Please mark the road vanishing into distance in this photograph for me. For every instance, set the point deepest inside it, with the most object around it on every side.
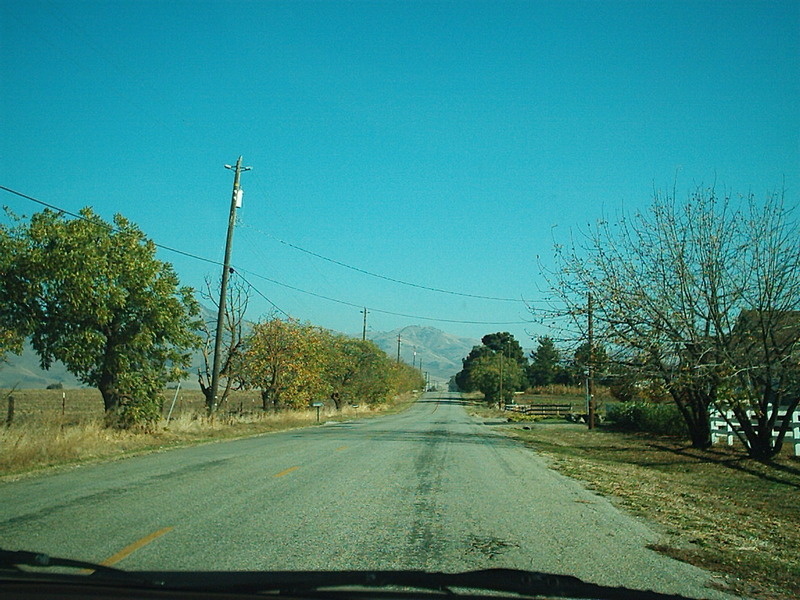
(430, 488)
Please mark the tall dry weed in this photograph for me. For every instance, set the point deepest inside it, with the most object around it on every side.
(41, 444)
(44, 436)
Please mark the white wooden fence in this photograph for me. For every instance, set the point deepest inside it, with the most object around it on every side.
(720, 429)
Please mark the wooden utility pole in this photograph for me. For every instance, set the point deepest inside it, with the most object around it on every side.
(364, 331)
(236, 202)
(500, 400)
(398, 348)
(590, 366)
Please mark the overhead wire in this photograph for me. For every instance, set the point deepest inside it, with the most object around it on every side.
(381, 311)
(378, 275)
(79, 32)
(82, 218)
(257, 291)
(268, 279)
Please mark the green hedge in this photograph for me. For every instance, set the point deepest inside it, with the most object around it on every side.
(637, 415)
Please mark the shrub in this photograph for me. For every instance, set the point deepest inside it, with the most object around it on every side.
(515, 417)
(637, 415)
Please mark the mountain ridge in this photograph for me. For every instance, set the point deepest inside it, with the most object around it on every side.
(438, 352)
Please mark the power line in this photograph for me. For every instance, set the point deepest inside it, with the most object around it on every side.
(257, 291)
(281, 284)
(378, 275)
(385, 312)
(82, 218)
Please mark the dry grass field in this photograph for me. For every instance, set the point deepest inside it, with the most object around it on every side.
(80, 405)
(60, 427)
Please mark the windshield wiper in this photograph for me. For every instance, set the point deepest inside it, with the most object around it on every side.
(337, 583)
(10, 559)
(320, 583)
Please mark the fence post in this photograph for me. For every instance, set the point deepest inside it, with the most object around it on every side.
(175, 397)
(10, 413)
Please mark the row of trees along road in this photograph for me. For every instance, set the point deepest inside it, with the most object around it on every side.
(292, 363)
(703, 297)
(498, 366)
(549, 365)
(92, 295)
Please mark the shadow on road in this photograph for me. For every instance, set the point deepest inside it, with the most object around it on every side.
(432, 436)
(443, 400)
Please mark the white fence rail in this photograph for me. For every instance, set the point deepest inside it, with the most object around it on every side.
(722, 430)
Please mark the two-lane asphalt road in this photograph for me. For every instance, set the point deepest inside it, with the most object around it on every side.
(430, 488)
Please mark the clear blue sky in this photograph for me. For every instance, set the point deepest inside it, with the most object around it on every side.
(441, 143)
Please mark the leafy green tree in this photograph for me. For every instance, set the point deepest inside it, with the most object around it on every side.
(491, 344)
(580, 363)
(293, 364)
(11, 342)
(10, 339)
(545, 363)
(497, 378)
(505, 343)
(285, 360)
(405, 378)
(355, 371)
(463, 378)
(92, 295)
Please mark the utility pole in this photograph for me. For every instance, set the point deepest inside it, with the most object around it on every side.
(398, 348)
(236, 202)
(590, 369)
(500, 400)
(364, 331)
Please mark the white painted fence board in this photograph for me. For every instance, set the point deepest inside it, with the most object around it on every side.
(721, 429)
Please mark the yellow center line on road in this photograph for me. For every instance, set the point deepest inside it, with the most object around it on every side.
(128, 550)
(286, 471)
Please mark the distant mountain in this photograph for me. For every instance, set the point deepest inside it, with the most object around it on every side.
(439, 353)
(23, 371)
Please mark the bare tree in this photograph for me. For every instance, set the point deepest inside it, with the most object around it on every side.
(702, 297)
(232, 338)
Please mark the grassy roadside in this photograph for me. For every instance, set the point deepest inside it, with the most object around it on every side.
(43, 436)
(716, 509)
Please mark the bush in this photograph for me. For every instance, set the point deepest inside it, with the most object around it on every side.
(515, 417)
(660, 418)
